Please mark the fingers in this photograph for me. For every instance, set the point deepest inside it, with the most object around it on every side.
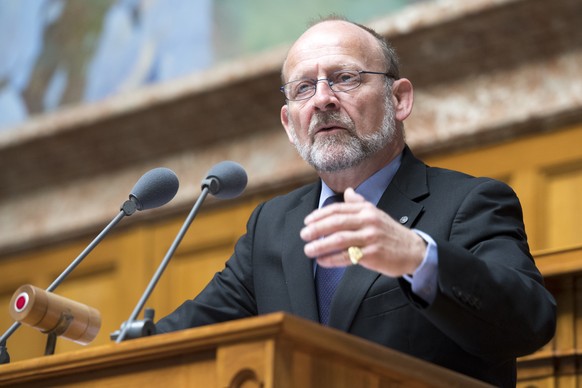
(337, 259)
(350, 196)
(327, 224)
(333, 245)
(387, 246)
(329, 231)
(338, 216)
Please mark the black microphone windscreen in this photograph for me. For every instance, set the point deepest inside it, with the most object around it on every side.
(231, 177)
(155, 188)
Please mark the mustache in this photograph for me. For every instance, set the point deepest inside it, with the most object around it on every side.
(322, 119)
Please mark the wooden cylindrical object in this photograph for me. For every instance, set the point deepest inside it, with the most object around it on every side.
(51, 313)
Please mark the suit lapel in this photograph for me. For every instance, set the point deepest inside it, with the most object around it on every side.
(297, 267)
(409, 185)
(349, 295)
(399, 201)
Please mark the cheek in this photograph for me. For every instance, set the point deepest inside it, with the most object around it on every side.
(300, 122)
(368, 116)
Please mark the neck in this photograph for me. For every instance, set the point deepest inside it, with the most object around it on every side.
(352, 177)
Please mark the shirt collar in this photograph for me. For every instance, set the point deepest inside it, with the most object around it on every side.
(373, 187)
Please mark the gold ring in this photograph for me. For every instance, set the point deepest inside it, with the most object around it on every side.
(355, 254)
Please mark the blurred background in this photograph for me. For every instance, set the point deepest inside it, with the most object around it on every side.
(95, 93)
(59, 52)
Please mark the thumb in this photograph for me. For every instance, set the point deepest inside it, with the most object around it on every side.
(350, 196)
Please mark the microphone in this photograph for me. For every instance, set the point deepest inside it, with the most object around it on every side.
(155, 188)
(224, 180)
(54, 314)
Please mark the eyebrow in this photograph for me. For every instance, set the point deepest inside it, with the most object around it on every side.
(334, 69)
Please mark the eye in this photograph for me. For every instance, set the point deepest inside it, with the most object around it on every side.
(303, 87)
(346, 77)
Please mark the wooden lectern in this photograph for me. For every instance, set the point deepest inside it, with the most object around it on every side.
(271, 351)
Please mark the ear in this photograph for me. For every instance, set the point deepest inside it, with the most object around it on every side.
(403, 98)
(285, 121)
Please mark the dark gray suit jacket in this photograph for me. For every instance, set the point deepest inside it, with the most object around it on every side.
(491, 305)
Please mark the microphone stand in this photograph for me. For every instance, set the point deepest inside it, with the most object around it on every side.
(128, 208)
(4, 356)
(129, 325)
(51, 343)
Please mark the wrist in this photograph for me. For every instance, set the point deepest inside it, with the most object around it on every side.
(418, 252)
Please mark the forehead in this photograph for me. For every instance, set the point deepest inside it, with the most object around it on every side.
(331, 45)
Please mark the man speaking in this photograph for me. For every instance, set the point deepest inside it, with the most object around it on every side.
(427, 261)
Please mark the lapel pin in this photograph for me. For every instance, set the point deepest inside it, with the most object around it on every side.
(403, 219)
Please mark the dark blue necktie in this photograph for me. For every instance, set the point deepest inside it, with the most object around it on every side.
(327, 279)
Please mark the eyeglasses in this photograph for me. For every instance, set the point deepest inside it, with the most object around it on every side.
(339, 81)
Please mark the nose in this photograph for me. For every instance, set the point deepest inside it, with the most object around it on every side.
(324, 98)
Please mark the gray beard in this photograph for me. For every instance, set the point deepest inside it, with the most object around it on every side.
(347, 149)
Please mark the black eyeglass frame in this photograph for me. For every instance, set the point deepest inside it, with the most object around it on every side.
(331, 83)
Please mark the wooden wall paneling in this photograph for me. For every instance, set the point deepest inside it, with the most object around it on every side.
(205, 248)
(540, 369)
(546, 149)
(529, 186)
(564, 205)
(578, 329)
(135, 255)
(536, 375)
(564, 289)
(553, 263)
(560, 359)
(546, 173)
(565, 337)
(566, 372)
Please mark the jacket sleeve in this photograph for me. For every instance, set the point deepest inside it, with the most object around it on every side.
(228, 296)
(491, 299)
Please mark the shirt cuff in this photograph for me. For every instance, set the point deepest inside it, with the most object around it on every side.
(424, 279)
